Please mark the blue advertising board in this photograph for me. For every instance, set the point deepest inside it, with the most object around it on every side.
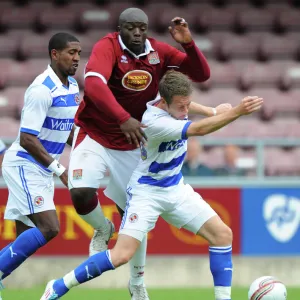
(270, 221)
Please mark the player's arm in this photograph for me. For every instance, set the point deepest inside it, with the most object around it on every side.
(192, 62)
(37, 102)
(71, 136)
(98, 72)
(211, 124)
(208, 111)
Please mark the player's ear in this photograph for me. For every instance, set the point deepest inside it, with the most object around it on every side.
(119, 28)
(54, 54)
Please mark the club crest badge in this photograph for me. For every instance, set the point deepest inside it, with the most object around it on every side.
(153, 58)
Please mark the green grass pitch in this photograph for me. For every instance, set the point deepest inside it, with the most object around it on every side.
(122, 294)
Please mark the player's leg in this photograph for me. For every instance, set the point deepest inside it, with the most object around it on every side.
(123, 164)
(86, 170)
(20, 228)
(195, 215)
(31, 202)
(132, 231)
(219, 236)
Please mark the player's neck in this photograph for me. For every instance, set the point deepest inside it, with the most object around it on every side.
(63, 78)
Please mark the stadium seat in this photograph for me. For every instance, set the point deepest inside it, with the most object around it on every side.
(102, 17)
(11, 102)
(234, 46)
(208, 18)
(17, 17)
(255, 19)
(9, 127)
(280, 162)
(279, 47)
(286, 102)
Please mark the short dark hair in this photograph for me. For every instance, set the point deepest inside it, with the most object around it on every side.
(173, 84)
(60, 40)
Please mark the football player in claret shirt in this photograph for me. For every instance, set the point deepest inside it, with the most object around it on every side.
(121, 76)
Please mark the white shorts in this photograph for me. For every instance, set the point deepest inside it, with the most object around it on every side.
(187, 210)
(30, 191)
(89, 162)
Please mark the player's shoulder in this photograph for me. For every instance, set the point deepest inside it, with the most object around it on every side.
(108, 40)
(159, 45)
(72, 81)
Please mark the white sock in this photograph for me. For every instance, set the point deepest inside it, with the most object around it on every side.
(70, 280)
(222, 292)
(137, 264)
(96, 218)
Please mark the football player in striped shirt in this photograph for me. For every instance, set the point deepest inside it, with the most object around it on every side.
(47, 119)
(156, 188)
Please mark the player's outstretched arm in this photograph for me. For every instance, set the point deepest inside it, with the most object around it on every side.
(247, 106)
(34, 147)
(192, 62)
(199, 109)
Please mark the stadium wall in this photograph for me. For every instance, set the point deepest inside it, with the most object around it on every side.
(265, 220)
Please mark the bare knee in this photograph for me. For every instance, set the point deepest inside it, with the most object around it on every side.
(222, 237)
(49, 232)
(84, 200)
(120, 258)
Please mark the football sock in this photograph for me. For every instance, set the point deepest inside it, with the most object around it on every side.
(137, 264)
(96, 217)
(220, 259)
(24, 246)
(93, 267)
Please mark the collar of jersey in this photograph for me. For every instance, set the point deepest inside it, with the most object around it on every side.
(156, 110)
(55, 78)
(148, 48)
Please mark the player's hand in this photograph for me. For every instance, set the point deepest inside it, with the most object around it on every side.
(64, 178)
(132, 129)
(249, 105)
(180, 31)
(223, 108)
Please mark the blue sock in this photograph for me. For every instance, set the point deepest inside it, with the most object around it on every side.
(220, 259)
(1, 252)
(24, 246)
(90, 269)
(5, 248)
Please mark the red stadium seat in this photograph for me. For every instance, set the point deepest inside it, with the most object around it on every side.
(280, 162)
(255, 19)
(9, 127)
(254, 74)
(11, 101)
(289, 19)
(286, 102)
(102, 17)
(23, 73)
(235, 46)
(17, 17)
(279, 47)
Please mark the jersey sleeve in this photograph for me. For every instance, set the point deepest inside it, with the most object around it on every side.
(166, 129)
(101, 61)
(172, 56)
(2, 147)
(37, 102)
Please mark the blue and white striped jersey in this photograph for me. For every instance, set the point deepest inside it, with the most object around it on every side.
(48, 112)
(161, 160)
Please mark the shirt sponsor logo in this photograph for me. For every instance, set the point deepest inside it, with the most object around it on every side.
(171, 146)
(62, 126)
(136, 80)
